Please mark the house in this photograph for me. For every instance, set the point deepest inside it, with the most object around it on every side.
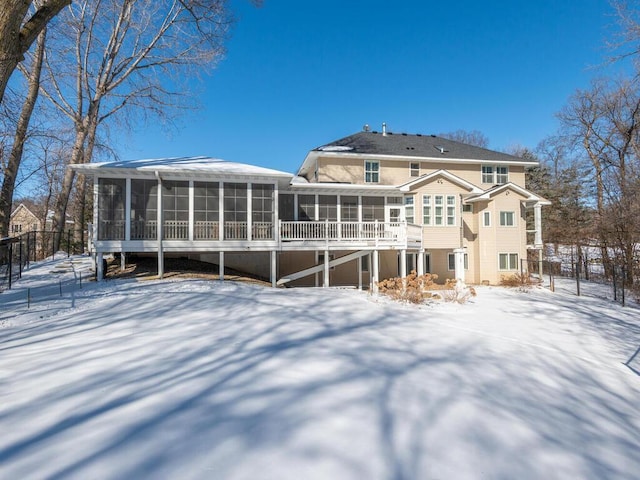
(23, 220)
(368, 206)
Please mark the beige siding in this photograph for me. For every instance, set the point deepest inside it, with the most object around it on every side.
(396, 172)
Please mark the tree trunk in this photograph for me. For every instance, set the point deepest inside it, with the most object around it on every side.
(17, 149)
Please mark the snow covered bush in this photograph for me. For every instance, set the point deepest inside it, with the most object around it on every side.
(457, 292)
(413, 289)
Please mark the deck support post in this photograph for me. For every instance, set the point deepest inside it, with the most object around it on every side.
(359, 260)
(221, 267)
(159, 228)
(99, 267)
(459, 263)
(376, 261)
(274, 265)
(325, 276)
(420, 266)
(403, 263)
(123, 261)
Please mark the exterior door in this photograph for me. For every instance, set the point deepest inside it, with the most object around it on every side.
(393, 214)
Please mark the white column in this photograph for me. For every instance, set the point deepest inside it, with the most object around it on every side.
(403, 263)
(537, 217)
(191, 207)
(96, 219)
(325, 277)
(374, 271)
(159, 228)
(249, 211)
(221, 266)
(123, 261)
(276, 215)
(220, 211)
(274, 268)
(420, 266)
(359, 272)
(127, 210)
(459, 263)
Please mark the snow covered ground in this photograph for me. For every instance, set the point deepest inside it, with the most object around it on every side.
(198, 379)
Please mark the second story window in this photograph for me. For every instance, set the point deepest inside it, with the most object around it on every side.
(414, 168)
(408, 209)
(495, 175)
(507, 219)
(371, 171)
(451, 210)
(426, 209)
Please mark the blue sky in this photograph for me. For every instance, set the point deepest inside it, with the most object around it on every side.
(301, 73)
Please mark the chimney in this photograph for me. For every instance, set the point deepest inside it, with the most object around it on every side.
(384, 128)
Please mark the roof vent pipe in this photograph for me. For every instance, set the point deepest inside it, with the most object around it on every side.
(384, 128)
(365, 128)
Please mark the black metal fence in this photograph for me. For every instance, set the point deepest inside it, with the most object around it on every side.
(17, 252)
(589, 278)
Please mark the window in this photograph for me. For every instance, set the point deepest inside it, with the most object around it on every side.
(507, 219)
(16, 228)
(328, 207)
(371, 171)
(144, 209)
(286, 207)
(235, 211)
(451, 210)
(451, 260)
(427, 263)
(262, 203)
(408, 209)
(508, 261)
(467, 208)
(372, 209)
(426, 209)
(394, 200)
(487, 174)
(414, 168)
(206, 210)
(495, 175)
(502, 175)
(348, 208)
(439, 210)
(111, 199)
(486, 219)
(306, 208)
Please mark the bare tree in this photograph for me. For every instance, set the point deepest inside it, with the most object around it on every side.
(19, 29)
(10, 170)
(604, 122)
(473, 137)
(125, 56)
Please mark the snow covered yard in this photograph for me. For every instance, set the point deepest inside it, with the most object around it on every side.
(200, 379)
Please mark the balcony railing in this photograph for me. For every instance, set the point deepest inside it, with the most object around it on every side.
(371, 233)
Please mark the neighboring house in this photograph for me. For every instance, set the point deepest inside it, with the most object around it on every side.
(368, 206)
(23, 220)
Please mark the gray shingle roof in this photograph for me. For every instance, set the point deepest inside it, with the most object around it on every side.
(431, 146)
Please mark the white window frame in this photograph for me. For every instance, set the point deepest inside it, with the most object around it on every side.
(495, 174)
(414, 169)
(504, 218)
(510, 262)
(451, 211)
(371, 171)
(427, 210)
(438, 211)
(409, 209)
(486, 219)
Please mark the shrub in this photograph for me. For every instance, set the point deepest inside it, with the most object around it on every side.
(413, 289)
(457, 292)
(521, 281)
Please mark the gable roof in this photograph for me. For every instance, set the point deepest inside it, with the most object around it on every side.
(441, 173)
(22, 206)
(487, 194)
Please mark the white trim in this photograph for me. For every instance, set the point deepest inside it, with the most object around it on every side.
(443, 173)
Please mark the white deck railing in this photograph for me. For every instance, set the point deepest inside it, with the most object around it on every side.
(378, 233)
